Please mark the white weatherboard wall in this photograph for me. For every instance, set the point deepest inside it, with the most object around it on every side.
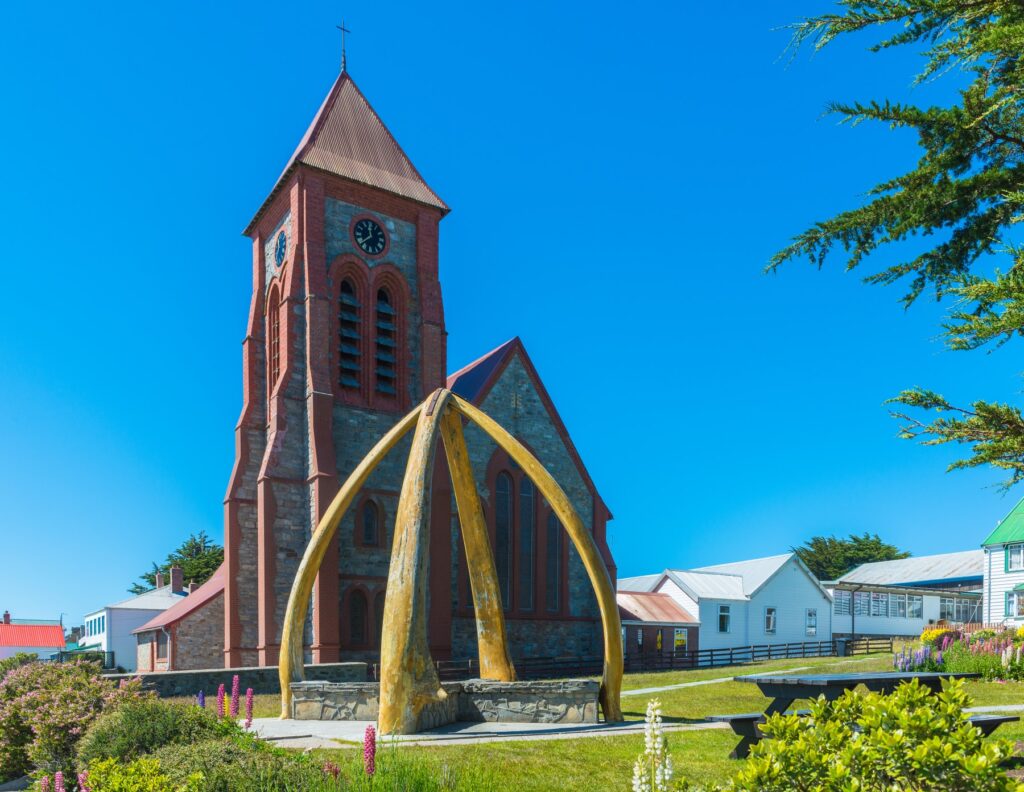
(710, 637)
(890, 625)
(791, 592)
(117, 637)
(997, 583)
(43, 652)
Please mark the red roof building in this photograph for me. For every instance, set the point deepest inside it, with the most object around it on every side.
(41, 638)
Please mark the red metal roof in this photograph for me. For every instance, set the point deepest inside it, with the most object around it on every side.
(348, 138)
(202, 595)
(42, 636)
(652, 607)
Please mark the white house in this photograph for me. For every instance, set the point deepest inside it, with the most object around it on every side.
(110, 629)
(899, 598)
(773, 600)
(1004, 570)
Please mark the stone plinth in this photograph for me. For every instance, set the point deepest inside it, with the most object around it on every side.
(563, 701)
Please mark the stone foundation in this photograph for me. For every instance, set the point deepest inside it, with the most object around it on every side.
(562, 701)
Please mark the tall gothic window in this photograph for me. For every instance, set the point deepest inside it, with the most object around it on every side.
(371, 524)
(503, 522)
(527, 532)
(386, 348)
(357, 606)
(553, 571)
(349, 356)
(274, 331)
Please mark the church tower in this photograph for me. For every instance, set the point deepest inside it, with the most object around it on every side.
(345, 334)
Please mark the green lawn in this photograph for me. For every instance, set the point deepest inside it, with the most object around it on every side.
(606, 762)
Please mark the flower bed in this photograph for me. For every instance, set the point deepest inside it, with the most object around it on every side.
(995, 654)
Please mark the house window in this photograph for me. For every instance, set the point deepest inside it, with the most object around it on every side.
(527, 532)
(357, 607)
(898, 606)
(387, 343)
(861, 603)
(161, 645)
(503, 521)
(371, 524)
(553, 564)
(1014, 557)
(723, 619)
(811, 621)
(947, 609)
(349, 322)
(639, 637)
(679, 639)
(843, 602)
(274, 331)
(915, 606)
(659, 640)
(769, 621)
(879, 604)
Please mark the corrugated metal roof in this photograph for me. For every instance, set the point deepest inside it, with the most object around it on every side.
(710, 585)
(1010, 528)
(639, 583)
(753, 572)
(348, 138)
(651, 607)
(32, 636)
(202, 595)
(919, 570)
(156, 600)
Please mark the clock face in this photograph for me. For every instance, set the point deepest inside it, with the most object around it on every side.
(370, 237)
(281, 249)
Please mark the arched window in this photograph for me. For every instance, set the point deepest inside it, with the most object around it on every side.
(371, 524)
(527, 543)
(357, 618)
(349, 355)
(274, 333)
(503, 522)
(553, 564)
(386, 347)
(378, 615)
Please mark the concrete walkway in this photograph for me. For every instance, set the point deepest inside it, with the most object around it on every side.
(327, 734)
(715, 681)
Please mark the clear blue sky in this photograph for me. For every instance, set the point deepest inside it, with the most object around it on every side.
(619, 176)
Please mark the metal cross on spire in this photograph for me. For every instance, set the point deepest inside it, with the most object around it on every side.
(343, 30)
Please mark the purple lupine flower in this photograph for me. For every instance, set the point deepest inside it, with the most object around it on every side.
(58, 782)
(220, 701)
(235, 693)
(44, 784)
(201, 700)
(370, 750)
(248, 707)
(83, 781)
(331, 769)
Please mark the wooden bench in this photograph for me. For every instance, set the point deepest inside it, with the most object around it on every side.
(747, 726)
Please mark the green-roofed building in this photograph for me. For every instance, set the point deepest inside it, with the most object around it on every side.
(1004, 569)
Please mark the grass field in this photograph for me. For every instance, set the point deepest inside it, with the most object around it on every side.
(606, 762)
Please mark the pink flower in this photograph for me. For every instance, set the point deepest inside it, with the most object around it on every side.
(83, 782)
(220, 701)
(44, 784)
(235, 691)
(58, 782)
(248, 707)
(370, 750)
(331, 769)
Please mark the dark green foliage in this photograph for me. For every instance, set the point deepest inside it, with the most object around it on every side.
(141, 726)
(962, 196)
(227, 765)
(198, 558)
(828, 557)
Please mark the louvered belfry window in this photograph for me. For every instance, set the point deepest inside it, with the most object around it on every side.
(275, 339)
(349, 357)
(387, 342)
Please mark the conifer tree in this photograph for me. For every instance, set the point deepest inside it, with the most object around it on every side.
(962, 197)
(197, 556)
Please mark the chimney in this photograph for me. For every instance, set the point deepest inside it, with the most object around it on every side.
(7, 617)
(177, 580)
(159, 579)
(192, 586)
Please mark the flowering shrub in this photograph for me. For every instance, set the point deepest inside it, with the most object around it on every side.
(923, 659)
(875, 743)
(44, 710)
(932, 636)
(652, 771)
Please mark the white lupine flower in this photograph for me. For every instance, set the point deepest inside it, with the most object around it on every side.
(652, 771)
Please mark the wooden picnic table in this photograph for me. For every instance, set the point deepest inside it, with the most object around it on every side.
(784, 689)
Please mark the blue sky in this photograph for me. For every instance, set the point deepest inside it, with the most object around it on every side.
(618, 177)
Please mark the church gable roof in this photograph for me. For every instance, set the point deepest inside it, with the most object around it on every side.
(347, 138)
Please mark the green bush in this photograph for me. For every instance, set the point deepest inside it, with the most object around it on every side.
(141, 726)
(142, 775)
(226, 765)
(909, 740)
(16, 661)
(45, 708)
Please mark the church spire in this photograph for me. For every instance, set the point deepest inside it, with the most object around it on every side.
(344, 58)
